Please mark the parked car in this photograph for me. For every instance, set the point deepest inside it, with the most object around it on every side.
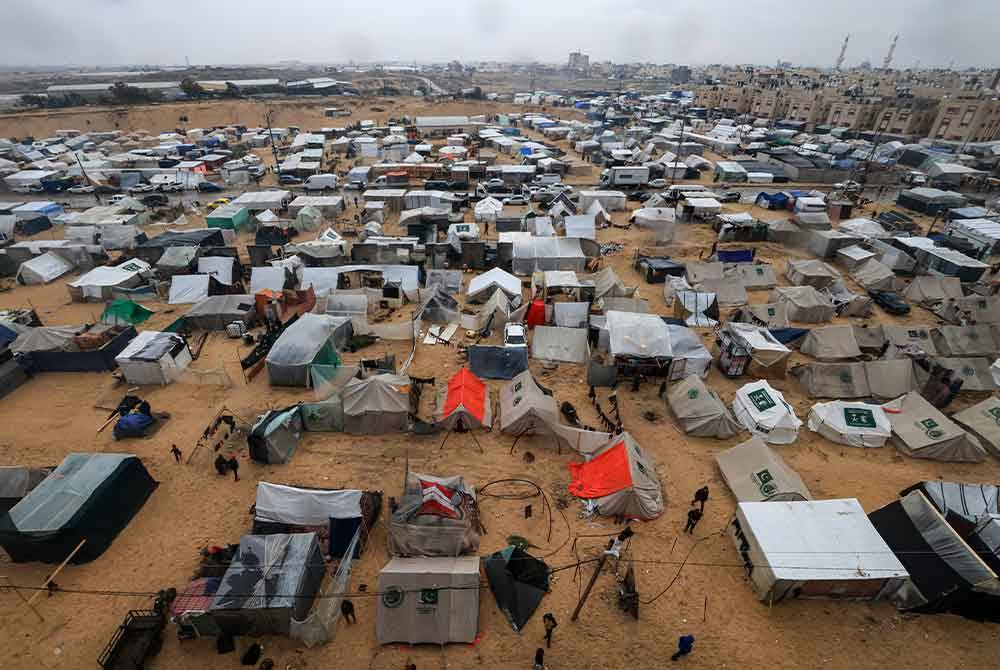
(640, 196)
(493, 183)
(288, 179)
(891, 302)
(155, 200)
(80, 190)
(728, 196)
(514, 335)
(515, 200)
(437, 185)
(257, 171)
(658, 183)
(142, 188)
(116, 198)
(104, 189)
(209, 187)
(33, 188)
(171, 187)
(219, 202)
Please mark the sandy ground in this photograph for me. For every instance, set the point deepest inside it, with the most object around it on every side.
(54, 414)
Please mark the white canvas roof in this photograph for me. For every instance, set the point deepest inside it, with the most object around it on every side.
(43, 269)
(276, 503)
(483, 285)
(188, 289)
(763, 410)
(831, 343)
(824, 541)
(104, 276)
(855, 424)
(565, 345)
(641, 335)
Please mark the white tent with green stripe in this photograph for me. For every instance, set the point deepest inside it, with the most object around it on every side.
(855, 424)
(764, 411)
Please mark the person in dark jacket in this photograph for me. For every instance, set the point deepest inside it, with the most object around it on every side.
(685, 644)
(694, 516)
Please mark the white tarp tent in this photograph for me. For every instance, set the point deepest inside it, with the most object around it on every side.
(43, 268)
(482, 286)
(188, 289)
(154, 358)
(764, 412)
(855, 424)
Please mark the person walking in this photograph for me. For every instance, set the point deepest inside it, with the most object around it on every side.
(539, 659)
(701, 497)
(176, 452)
(234, 465)
(347, 611)
(694, 516)
(549, 620)
(685, 644)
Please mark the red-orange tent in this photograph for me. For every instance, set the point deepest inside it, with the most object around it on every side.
(465, 399)
(619, 480)
(536, 314)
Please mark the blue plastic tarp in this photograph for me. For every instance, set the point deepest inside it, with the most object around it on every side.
(786, 335)
(132, 425)
(736, 256)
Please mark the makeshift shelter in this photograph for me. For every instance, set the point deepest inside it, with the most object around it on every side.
(464, 403)
(618, 480)
(488, 362)
(974, 372)
(271, 580)
(435, 516)
(88, 497)
(814, 549)
(518, 581)
(945, 573)
(767, 315)
(852, 423)
(753, 276)
(219, 311)
(983, 421)
(125, 313)
(700, 411)
(341, 512)
(910, 338)
(929, 290)
(764, 412)
(481, 287)
(189, 289)
(309, 341)
(73, 348)
(177, 261)
(428, 601)
(831, 343)
(526, 409)
(43, 269)
(439, 307)
(756, 473)
(804, 303)
(275, 436)
(922, 431)
(751, 349)
(531, 254)
(875, 276)
(376, 405)
(870, 339)
(562, 345)
(697, 308)
(232, 217)
(154, 358)
(100, 283)
(810, 273)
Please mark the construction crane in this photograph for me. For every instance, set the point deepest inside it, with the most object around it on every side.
(892, 50)
(843, 50)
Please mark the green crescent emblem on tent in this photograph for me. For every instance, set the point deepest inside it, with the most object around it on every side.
(761, 399)
(857, 417)
(392, 597)
(845, 376)
(968, 371)
(692, 394)
(995, 413)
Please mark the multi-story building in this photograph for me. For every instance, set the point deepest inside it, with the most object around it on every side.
(578, 61)
(972, 119)
(805, 106)
(853, 113)
(911, 117)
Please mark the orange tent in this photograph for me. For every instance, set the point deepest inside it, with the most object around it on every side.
(619, 480)
(465, 399)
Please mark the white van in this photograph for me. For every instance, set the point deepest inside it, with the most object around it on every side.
(321, 182)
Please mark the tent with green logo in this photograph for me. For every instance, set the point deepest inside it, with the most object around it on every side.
(922, 431)
(700, 411)
(764, 411)
(125, 312)
(983, 421)
(855, 424)
(756, 473)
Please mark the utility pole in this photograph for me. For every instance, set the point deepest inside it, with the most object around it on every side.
(615, 546)
(270, 135)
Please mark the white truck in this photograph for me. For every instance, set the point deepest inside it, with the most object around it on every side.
(625, 176)
(320, 182)
(358, 178)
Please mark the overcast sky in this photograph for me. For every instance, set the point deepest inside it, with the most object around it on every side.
(90, 32)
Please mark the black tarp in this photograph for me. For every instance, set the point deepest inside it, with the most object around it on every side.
(497, 362)
(518, 581)
(95, 360)
(943, 570)
(99, 492)
(151, 249)
(12, 375)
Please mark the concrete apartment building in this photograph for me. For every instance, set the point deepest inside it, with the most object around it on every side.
(967, 120)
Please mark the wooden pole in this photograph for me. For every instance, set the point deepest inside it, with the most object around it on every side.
(590, 584)
(57, 571)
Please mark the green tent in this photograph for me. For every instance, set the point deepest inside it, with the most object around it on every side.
(232, 217)
(125, 312)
